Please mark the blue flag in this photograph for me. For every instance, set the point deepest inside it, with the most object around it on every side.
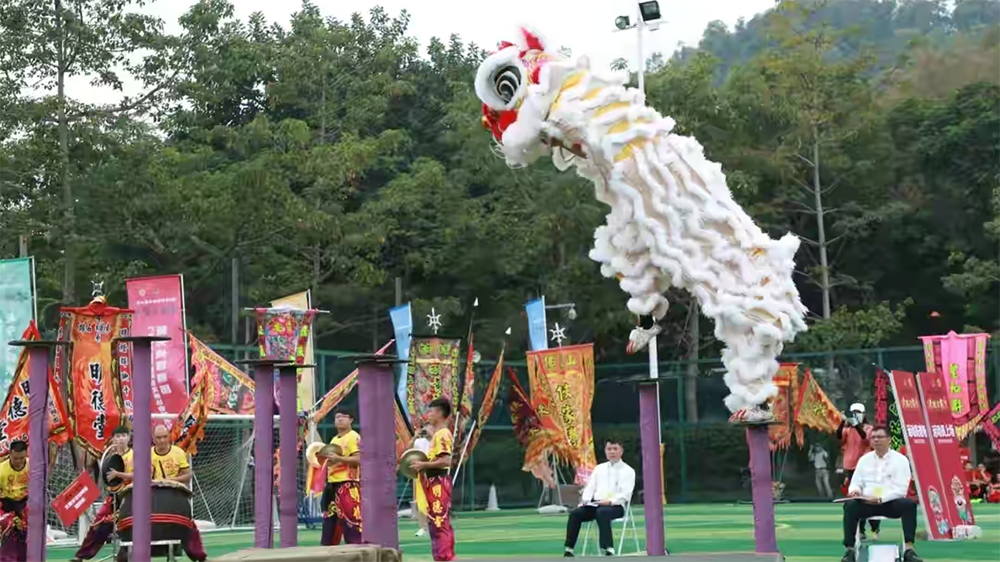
(17, 309)
(537, 327)
(402, 325)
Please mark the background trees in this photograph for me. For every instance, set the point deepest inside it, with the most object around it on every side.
(339, 155)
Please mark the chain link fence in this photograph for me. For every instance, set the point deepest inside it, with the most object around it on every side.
(705, 457)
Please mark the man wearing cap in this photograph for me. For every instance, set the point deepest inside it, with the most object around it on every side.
(853, 435)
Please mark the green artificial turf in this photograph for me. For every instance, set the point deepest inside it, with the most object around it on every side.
(806, 533)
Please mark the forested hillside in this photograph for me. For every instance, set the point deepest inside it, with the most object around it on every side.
(338, 155)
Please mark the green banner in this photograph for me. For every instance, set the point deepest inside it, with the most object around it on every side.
(17, 309)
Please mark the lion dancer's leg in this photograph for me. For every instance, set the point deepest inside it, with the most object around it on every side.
(750, 358)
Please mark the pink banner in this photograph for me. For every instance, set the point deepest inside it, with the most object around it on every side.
(159, 311)
(919, 450)
(945, 445)
(959, 360)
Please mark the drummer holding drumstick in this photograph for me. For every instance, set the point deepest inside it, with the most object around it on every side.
(341, 500)
(169, 463)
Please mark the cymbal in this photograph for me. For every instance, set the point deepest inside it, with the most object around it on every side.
(409, 456)
(311, 451)
(330, 450)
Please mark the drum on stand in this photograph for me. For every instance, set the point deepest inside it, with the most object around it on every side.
(170, 520)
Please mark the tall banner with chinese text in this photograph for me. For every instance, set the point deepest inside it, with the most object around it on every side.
(562, 379)
(307, 375)
(933, 499)
(431, 373)
(538, 437)
(222, 387)
(960, 361)
(468, 392)
(17, 310)
(14, 412)
(489, 398)
(99, 386)
(158, 303)
(886, 410)
(944, 443)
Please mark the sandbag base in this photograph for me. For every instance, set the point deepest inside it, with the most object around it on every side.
(342, 553)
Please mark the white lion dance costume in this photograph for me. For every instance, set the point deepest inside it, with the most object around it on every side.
(673, 221)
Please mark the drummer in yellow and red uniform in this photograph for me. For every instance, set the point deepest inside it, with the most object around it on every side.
(341, 500)
(169, 464)
(13, 501)
(104, 524)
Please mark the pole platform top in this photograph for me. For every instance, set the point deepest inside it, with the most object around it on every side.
(631, 379)
(274, 362)
(365, 358)
(37, 343)
(140, 339)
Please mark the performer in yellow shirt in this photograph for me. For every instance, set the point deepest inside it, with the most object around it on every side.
(435, 481)
(169, 463)
(341, 500)
(104, 524)
(13, 500)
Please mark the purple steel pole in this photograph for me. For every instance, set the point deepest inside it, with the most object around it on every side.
(378, 455)
(142, 427)
(763, 494)
(652, 495)
(38, 386)
(263, 427)
(288, 440)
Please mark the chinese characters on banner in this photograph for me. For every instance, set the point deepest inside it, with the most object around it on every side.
(158, 303)
(945, 445)
(100, 387)
(14, 412)
(933, 498)
(960, 361)
(17, 309)
(783, 406)
(284, 334)
(81, 493)
(561, 381)
(886, 410)
(431, 373)
(990, 425)
(224, 388)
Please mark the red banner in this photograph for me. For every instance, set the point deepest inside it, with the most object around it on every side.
(919, 449)
(468, 390)
(98, 394)
(960, 361)
(784, 405)
(70, 504)
(562, 387)
(158, 303)
(489, 397)
(14, 413)
(226, 390)
(990, 425)
(945, 444)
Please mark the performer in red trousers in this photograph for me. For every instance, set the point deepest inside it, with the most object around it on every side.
(434, 497)
(104, 524)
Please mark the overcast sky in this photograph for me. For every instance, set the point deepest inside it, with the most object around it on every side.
(585, 26)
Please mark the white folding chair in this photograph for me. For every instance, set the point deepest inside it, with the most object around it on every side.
(626, 520)
(871, 551)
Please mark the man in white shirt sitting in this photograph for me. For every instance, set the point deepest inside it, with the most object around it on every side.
(880, 482)
(603, 499)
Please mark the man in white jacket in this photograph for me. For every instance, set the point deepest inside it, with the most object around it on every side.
(880, 482)
(603, 499)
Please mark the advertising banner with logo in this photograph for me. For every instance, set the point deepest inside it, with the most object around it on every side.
(17, 309)
(918, 449)
(944, 442)
(158, 303)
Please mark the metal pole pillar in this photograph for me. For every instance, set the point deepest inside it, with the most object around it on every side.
(378, 475)
(649, 420)
(142, 430)
(263, 449)
(38, 386)
(763, 493)
(288, 449)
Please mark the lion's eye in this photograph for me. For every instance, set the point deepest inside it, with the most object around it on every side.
(506, 82)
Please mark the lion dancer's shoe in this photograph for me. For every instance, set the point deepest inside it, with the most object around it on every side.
(760, 414)
(640, 336)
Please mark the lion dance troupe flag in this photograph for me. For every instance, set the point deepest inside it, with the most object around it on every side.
(432, 372)
(100, 375)
(14, 413)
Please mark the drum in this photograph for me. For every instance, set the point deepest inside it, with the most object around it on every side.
(171, 512)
